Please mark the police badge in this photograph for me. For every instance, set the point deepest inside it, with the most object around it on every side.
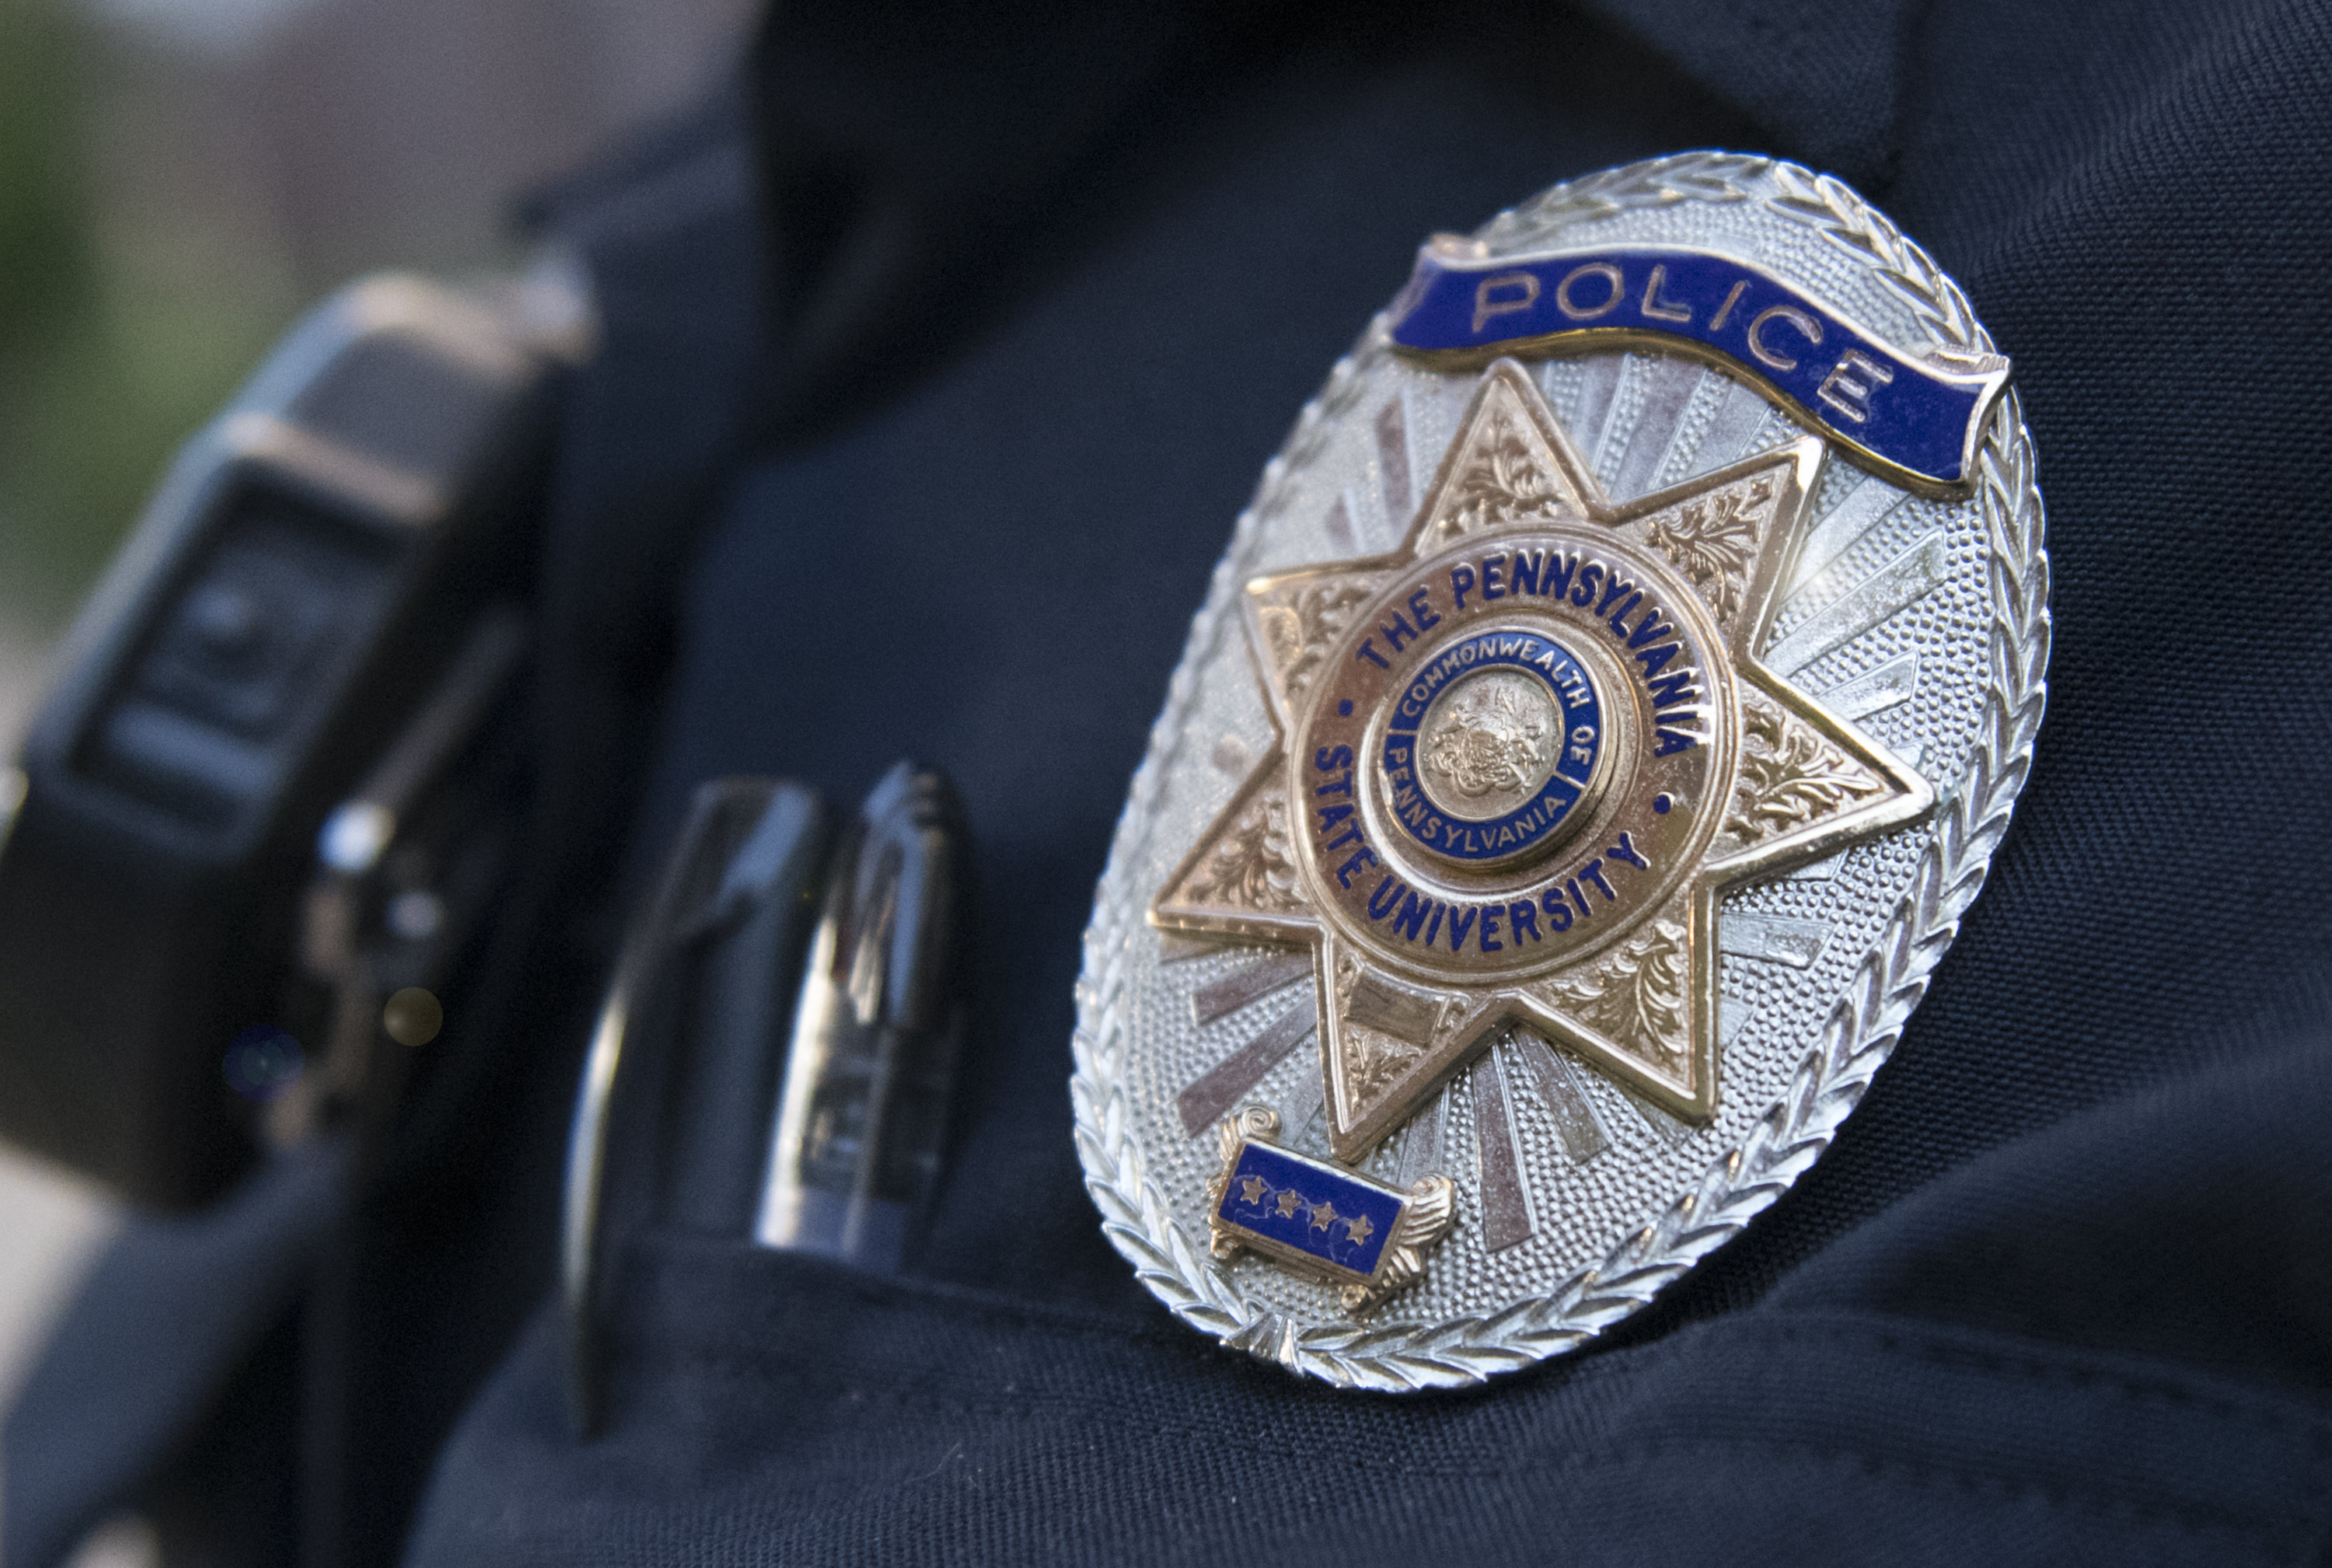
(1604, 713)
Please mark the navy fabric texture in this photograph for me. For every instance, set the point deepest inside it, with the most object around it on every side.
(168, 1314)
(926, 411)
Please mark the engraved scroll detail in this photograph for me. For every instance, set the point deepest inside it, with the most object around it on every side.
(1714, 542)
(1385, 1032)
(1373, 1063)
(1505, 480)
(1790, 775)
(1300, 631)
(1637, 996)
(1251, 867)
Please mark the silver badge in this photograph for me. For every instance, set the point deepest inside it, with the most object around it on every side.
(1605, 711)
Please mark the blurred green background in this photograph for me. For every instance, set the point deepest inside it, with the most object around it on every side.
(179, 178)
(125, 316)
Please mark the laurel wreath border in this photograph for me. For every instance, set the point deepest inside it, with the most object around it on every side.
(1862, 1028)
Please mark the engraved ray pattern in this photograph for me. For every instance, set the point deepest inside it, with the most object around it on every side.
(1874, 690)
(1672, 382)
(1506, 1219)
(1212, 1093)
(1301, 1106)
(1392, 456)
(1774, 938)
(1733, 429)
(1421, 1148)
(1599, 387)
(1835, 532)
(1338, 526)
(1577, 1127)
(1907, 579)
(1251, 983)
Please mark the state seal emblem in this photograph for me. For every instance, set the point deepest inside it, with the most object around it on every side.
(1605, 711)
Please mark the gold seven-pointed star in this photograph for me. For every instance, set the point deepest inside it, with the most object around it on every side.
(1766, 778)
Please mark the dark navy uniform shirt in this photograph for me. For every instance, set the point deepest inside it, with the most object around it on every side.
(938, 361)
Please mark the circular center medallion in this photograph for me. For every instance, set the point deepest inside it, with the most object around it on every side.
(1496, 784)
(1503, 782)
(1504, 729)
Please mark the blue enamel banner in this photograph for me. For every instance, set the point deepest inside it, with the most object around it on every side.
(1311, 1208)
(1919, 417)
